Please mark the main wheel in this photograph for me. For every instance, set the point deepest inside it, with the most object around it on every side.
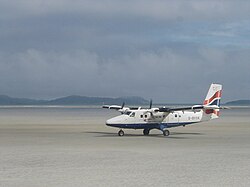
(121, 133)
(166, 132)
(146, 132)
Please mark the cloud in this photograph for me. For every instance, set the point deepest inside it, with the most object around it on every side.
(166, 75)
(48, 73)
(162, 10)
(166, 50)
(116, 27)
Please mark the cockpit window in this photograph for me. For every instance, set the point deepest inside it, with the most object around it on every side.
(127, 113)
(132, 114)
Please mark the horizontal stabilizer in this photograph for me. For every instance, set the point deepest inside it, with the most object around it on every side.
(211, 107)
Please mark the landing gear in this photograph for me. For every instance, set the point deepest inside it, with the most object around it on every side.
(166, 132)
(121, 133)
(146, 132)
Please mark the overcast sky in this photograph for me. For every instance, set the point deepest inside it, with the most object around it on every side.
(170, 51)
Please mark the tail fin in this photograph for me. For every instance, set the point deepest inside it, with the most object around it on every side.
(213, 99)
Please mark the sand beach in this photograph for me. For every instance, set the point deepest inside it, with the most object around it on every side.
(71, 146)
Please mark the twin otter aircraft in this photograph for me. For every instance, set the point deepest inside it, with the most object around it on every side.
(163, 118)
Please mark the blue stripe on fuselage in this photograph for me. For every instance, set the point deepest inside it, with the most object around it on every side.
(149, 125)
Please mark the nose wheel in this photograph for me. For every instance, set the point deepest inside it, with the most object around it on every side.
(121, 133)
(166, 132)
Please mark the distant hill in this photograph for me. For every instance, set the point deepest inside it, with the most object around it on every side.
(239, 103)
(6, 100)
(73, 100)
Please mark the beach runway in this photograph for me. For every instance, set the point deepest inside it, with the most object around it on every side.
(73, 147)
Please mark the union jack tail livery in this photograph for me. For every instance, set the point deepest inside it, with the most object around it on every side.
(213, 99)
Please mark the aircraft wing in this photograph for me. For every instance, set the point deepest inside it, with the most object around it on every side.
(121, 109)
(116, 107)
(194, 107)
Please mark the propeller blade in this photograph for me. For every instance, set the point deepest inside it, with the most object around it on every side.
(123, 104)
(150, 104)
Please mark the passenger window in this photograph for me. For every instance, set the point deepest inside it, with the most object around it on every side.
(141, 116)
(146, 116)
(132, 114)
(176, 115)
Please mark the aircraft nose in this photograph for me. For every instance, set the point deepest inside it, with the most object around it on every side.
(113, 121)
(109, 122)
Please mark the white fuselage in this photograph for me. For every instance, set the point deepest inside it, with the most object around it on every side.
(165, 117)
(144, 118)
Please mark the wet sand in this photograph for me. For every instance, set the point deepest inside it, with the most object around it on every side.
(73, 147)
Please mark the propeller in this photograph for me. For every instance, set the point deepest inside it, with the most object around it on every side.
(150, 104)
(123, 104)
(150, 107)
(123, 109)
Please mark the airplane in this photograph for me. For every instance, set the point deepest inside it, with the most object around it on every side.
(164, 117)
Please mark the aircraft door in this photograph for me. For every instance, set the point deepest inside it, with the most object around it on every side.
(174, 118)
